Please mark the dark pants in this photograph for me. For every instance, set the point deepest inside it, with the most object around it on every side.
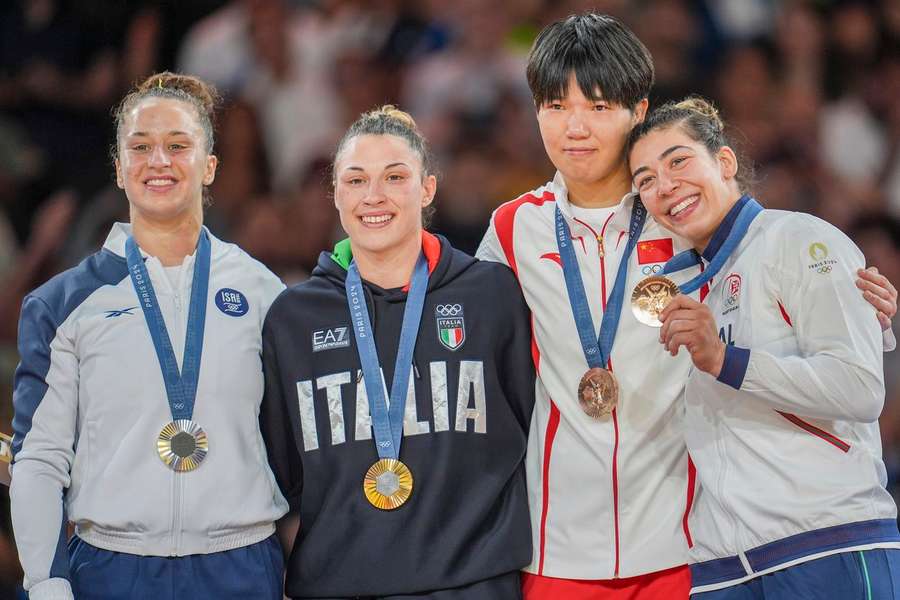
(253, 572)
(502, 587)
(867, 575)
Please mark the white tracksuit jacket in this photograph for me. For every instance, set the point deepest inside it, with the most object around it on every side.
(608, 498)
(90, 401)
(786, 442)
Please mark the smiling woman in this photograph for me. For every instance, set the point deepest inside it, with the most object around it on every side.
(383, 190)
(781, 410)
(168, 499)
(435, 505)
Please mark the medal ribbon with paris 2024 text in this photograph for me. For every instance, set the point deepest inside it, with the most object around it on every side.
(181, 388)
(746, 210)
(596, 351)
(387, 423)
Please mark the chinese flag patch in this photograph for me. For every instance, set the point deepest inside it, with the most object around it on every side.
(654, 251)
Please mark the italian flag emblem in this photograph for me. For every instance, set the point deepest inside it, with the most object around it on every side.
(450, 325)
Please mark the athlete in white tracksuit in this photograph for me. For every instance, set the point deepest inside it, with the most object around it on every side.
(158, 332)
(783, 400)
(90, 401)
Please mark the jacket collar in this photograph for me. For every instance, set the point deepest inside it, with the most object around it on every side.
(431, 247)
(115, 241)
(724, 228)
(622, 216)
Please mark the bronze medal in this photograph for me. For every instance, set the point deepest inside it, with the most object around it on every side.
(388, 484)
(598, 393)
(650, 297)
(182, 445)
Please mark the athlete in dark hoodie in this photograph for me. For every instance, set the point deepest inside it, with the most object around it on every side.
(414, 487)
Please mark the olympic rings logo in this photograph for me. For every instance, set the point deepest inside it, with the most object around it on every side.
(651, 269)
(448, 310)
(825, 269)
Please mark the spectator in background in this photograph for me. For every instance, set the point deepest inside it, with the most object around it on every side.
(470, 77)
(274, 58)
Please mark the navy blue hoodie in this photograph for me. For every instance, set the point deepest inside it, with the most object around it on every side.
(464, 438)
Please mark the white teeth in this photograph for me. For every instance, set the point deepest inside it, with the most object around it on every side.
(682, 205)
(160, 182)
(377, 219)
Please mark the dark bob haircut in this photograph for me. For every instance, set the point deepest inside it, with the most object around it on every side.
(606, 57)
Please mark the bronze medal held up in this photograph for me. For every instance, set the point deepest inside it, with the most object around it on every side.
(650, 297)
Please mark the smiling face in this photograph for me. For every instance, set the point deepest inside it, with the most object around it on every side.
(686, 189)
(585, 140)
(379, 191)
(163, 162)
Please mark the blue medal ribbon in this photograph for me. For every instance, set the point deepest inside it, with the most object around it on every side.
(596, 352)
(387, 422)
(721, 246)
(181, 388)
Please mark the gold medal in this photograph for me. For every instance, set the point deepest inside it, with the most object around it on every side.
(598, 393)
(182, 445)
(650, 297)
(388, 484)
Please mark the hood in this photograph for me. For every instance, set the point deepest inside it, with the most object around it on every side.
(445, 264)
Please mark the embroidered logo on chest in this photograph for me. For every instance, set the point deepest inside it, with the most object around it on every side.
(232, 302)
(731, 293)
(112, 314)
(329, 339)
(451, 325)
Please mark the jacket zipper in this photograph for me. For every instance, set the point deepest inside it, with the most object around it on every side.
(177, 481)
(615, 457)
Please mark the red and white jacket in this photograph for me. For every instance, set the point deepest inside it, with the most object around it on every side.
(608, 498)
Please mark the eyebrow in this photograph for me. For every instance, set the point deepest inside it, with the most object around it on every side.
(145, 134)
(390, 166)
(660, 157)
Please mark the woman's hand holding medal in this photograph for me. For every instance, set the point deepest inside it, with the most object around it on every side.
(688, 323)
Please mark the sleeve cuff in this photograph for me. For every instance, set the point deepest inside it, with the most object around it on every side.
(735, 366)
(55, 588)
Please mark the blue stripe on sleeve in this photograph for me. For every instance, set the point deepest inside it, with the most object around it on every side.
(735, 366)
(43, 311)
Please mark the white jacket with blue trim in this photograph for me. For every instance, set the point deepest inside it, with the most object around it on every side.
(786, 441)
(90, 401)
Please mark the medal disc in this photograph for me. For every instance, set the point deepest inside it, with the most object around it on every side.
(650, 297)
(598, 393)
(388, 484)
(182, 445)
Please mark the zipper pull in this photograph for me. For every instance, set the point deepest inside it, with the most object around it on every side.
(600, 246)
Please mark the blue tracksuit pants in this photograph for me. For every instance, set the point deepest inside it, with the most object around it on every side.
(866, 575)
(253, 572)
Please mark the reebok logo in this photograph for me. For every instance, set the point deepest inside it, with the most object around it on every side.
(111, 314)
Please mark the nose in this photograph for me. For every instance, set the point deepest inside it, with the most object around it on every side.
(375, 194)
(665, 184)
(159, 157)
(575, 126)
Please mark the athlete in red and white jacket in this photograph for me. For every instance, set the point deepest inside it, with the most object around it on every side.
(608, 497)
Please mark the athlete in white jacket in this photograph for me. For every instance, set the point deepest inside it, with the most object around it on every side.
(155, 514)
(782, 406)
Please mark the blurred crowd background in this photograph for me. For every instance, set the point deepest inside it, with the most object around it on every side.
(811, 87)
